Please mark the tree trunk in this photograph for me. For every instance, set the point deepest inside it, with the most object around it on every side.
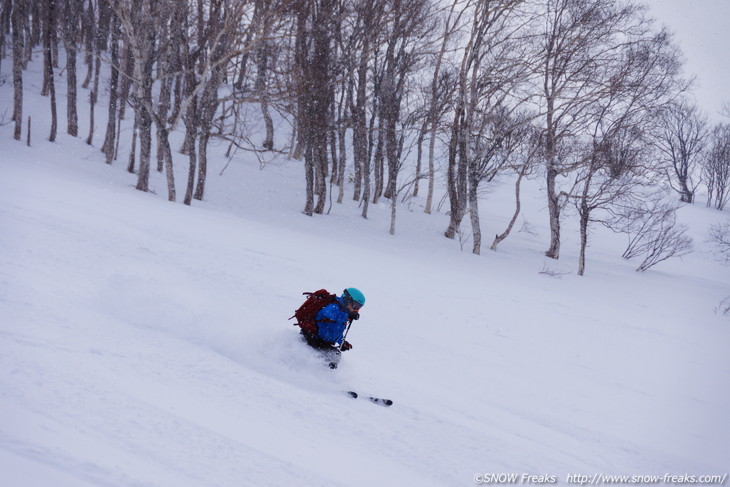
(163, 138)
(686, 194)
(334, 120)
(551, 175)
(133, 149)
(35, 27)
(145, 144)
(6, 8)
(89, 26)
(359, 126)
(262, 58)
(169, 173)
(143, 104)
(392, 152)
(47, 58)
(192, 158)
(202, 165)
(309, 179)
(378, 159)
(455, 198)
(360, 132)
(342, 161)
(320, 151)
(554, 212)
(312, 53)
(17, 24)
(584, 219)
(93, 95)
(473, 199)
(71, 31)
(365, 187)
(431, 169)
(48, 67)
(419, 156)
(163, 108)
(518, 206)
(126, 82)
(109, 139)
(393, 204)
(323, 96)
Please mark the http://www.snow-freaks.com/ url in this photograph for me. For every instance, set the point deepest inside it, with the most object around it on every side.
(600, 479)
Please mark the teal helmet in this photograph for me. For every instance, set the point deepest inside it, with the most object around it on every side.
(354, 294)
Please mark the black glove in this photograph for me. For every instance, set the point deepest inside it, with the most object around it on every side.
(346, 346)
(354, 316)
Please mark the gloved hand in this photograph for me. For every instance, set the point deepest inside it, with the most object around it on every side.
(346, 346)
(354, 315)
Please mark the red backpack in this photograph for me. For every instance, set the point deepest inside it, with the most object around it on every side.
(308, 310)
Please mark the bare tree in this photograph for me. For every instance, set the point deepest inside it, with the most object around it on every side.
(485, 133)
(650, 224)
(439, 95)
(409, 27)
(362, 43)
(523, 165)
(193, 48)
(681, 143)
(720, 237)
(313, 80)
(494, 149)
(654, 234)
(611, 172)
(716, 167)
(580, 43)
(224, 30)
(138, 23)
(615, 161)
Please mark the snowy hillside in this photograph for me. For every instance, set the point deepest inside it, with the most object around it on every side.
(145, 343)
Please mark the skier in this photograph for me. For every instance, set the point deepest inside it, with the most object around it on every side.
(331, 324)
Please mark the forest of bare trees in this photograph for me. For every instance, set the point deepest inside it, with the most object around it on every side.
(392, 96)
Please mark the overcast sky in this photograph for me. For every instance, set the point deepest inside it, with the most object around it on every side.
(702, 30)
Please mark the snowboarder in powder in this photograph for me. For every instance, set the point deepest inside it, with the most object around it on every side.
(331, 324)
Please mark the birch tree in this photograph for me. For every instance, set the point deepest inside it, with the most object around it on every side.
(313, 82)
(409, 26)
(491, 68)
(615, 162)
(71, 14)
(580, 42)
(716, 167)
(681, 143)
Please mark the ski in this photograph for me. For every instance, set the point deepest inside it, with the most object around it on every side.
(377, 400)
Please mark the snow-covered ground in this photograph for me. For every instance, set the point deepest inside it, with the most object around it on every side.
(146, 343)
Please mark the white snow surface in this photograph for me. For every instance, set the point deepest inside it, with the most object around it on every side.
(146, 343)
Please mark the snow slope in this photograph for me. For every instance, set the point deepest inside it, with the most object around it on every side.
(145, 343)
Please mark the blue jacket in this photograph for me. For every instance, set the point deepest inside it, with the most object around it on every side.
(332, 321)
